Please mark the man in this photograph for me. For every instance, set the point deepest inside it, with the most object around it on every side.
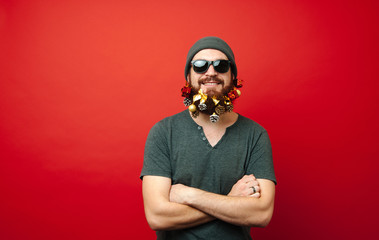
(208, 171)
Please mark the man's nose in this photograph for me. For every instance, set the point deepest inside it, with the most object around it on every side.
(211, 71)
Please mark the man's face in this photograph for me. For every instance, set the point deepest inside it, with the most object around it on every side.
(210, 82)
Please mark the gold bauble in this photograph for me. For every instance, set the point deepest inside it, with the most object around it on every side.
(238, 92)
(192, 108)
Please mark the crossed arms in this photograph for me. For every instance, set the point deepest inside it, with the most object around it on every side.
(171, 207)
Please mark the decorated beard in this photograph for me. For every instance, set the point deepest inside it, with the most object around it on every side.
(213, 105)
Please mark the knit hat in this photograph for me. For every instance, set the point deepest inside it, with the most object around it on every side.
(210, 43)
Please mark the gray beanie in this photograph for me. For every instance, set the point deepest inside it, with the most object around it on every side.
(210, 43)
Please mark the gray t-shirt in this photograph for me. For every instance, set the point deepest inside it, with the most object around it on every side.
(177, 148)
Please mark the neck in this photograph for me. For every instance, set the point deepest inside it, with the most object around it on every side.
(226, 119)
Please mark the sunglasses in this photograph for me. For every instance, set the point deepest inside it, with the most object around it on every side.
(201, 66)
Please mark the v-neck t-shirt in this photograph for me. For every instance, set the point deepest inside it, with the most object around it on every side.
(177, 148)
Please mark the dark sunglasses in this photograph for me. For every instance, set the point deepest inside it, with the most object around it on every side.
(201, 66)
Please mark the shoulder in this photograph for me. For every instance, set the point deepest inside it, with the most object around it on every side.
(248, 124)
(175, 119)
(172, 122)
(168, 130)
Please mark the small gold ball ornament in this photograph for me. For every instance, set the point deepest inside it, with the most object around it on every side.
(238, 92)
(192, 108)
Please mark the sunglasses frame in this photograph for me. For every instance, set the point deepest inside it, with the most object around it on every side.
(209, 63)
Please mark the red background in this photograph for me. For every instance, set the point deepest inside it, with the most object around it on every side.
(82, 82)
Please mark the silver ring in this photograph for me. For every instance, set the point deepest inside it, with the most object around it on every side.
(254, 190)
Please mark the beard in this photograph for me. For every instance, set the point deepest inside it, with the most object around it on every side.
(209, 102)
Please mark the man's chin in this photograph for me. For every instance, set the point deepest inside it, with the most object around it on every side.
(211, 91)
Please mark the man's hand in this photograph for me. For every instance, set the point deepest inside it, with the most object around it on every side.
(245, 187)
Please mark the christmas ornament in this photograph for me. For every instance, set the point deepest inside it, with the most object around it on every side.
(203, 97)
(186, 91)
(214, 118)
(192, 108)
(219, 109)
(202, 106)
(187, 102)
(215, 100)
(238, 83)
(234, 93)
(229, 107)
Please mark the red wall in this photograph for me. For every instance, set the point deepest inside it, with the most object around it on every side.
(82, 82)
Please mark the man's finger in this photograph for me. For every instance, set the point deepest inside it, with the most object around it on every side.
(248, 178)
(257, 195)
(252, 183)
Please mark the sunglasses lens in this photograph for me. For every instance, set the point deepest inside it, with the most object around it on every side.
(221, 66)
(200, 66)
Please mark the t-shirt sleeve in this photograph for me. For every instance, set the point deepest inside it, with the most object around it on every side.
(156, 156)
(261, 163)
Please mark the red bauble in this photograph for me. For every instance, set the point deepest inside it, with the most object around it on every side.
(186, 91)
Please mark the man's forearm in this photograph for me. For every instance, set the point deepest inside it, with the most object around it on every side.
(174, 216)
(161, 214)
